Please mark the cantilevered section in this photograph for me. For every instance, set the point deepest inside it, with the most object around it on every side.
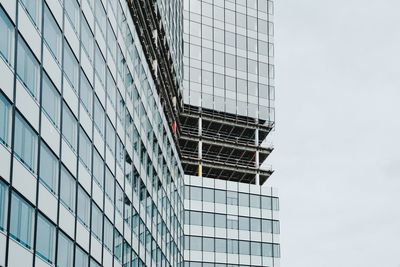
(222, 146)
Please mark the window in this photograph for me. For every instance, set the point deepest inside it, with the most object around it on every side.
(220, 196)
(111, 88)
(208, 244)
(86, 93)
(267, 226)
(208, 195)
(33, 8)
(255, 201)
(71, 66)
(119, 198)
(220, 245)
(85, 149)
(100, 65)
(255, 224)
(21, 221)
(112, 42)
(69, 127)
(108, 234)
(195, 243)
(101, 16)
(81, 258)
(45, 241)
(233, 246)
(97, 221)
(266, 202)
(28, 68)
(5, 120)
(25, 145)
(3, 205)
(232, 198)
(7, 40)
(244, 247)
(72, 12)
(65, 251)
(267, 250)
(109, 185)
(244, 200)
(118, 245)
(83, 206)
(195, 193)
(195, 218)
(52, 34)
(98, 116)
(255, 248)
(275, 203)
(110, 136)
(244, 223)
(87, 39)
(48, 168)
(67, 192)
(98, 169)
(51, 100)
(275, 227)
(232, 222)
(277, 250)
(220, 220)
(208, 219)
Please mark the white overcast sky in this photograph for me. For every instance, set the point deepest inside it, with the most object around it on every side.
(337, 138)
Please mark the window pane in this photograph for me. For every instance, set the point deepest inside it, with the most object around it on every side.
(220, 220)
(52, 34)
(220, 196)
(87, 39)
(67, 192)
(244, 200)
(195, 193)
(48, 168)
(7, 40)
(86, 93)
(208, 195)
(98, 169)
(71, 67)
(97, 221)
(208, 219)
(232, 198)
(51, 100)
(255, 201)
(267, 250)
(108, 234)
(100, 65)
(255, 224)
(3, 205)
(195, 243)
(81, 258)
(220, 245)
(99, 116)
(5, 120)
(65, 251)
(25, 143)
(69, 129)
(109, 185)
(208, 244)
(45, 241)
(244, 223)
(256, 248)
(21, 221)
(85, 149)
(244, 247)
(233, 246)
(83, 206)
(33, 7)
(72, 11)
(28, 68)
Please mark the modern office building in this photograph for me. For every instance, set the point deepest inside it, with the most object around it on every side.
(90, 173)
(231, 219)
(230, 224)
(101, 128)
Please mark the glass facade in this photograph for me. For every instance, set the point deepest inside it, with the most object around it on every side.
(89, 172)
(228, 56)
(230, 224)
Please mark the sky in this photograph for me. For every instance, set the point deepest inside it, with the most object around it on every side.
(337, 137)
